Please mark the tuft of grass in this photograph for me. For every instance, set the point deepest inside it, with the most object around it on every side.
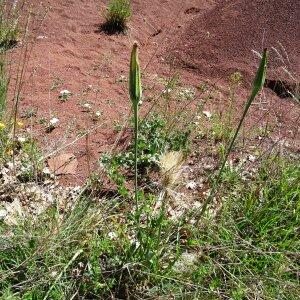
(9, 29)
(117, 16)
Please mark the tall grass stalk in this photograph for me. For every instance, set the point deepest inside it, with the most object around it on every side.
(135, 92)
(4, 81)
(258, 83)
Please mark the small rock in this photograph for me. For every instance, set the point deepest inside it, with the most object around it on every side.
(208, 167)
(63, 164)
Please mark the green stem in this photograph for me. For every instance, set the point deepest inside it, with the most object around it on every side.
(258, 83)
(217, 182)
(135, 108)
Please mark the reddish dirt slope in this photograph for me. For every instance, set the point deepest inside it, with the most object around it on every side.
(221, 40)
(208, 36)
(71, 50)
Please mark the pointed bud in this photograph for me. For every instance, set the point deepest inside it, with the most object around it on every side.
(135, 88)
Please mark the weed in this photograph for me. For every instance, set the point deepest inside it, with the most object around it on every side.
(64, 95)
(135, 93)
(9, 29)
(56, 83)
(117, 15)
(29, 113)
(154, 139)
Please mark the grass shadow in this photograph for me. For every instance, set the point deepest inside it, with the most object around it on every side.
(109, 28)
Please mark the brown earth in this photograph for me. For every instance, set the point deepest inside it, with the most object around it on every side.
(222, 39)
(201, 39)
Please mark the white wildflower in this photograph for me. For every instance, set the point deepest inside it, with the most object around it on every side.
(65, 93)
(207, 114)
(191, 185)
(112, 235)
(251, 158)
(98, 113)
(21, 139)
(54, 121)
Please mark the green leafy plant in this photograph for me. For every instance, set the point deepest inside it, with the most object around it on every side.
(117, 15)
(154, 139)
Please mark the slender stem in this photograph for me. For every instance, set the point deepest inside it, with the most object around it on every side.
(135, 108)
(218, 179)
(258, 83)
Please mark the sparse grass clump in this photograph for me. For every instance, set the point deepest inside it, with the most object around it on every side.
(117, 15)
(9, 28)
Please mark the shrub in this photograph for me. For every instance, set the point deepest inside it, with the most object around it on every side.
(117, 16)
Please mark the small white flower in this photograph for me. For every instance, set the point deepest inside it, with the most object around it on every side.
(112, 235)
(207, 114)
(46, 171)
(54, 121)
(191, 185)
(65, 93)
(167, 91)
(251, 158)
(21, 139)
(98, 113)
(87, 105)
(53, 274)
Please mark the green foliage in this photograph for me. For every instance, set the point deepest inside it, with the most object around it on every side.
(154, 139)
(9, 29)
(251, 249)
(257, 235)
(117, 15)
(32, 165)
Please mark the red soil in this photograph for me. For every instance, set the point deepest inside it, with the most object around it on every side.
(211, 39)
(220, 41)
